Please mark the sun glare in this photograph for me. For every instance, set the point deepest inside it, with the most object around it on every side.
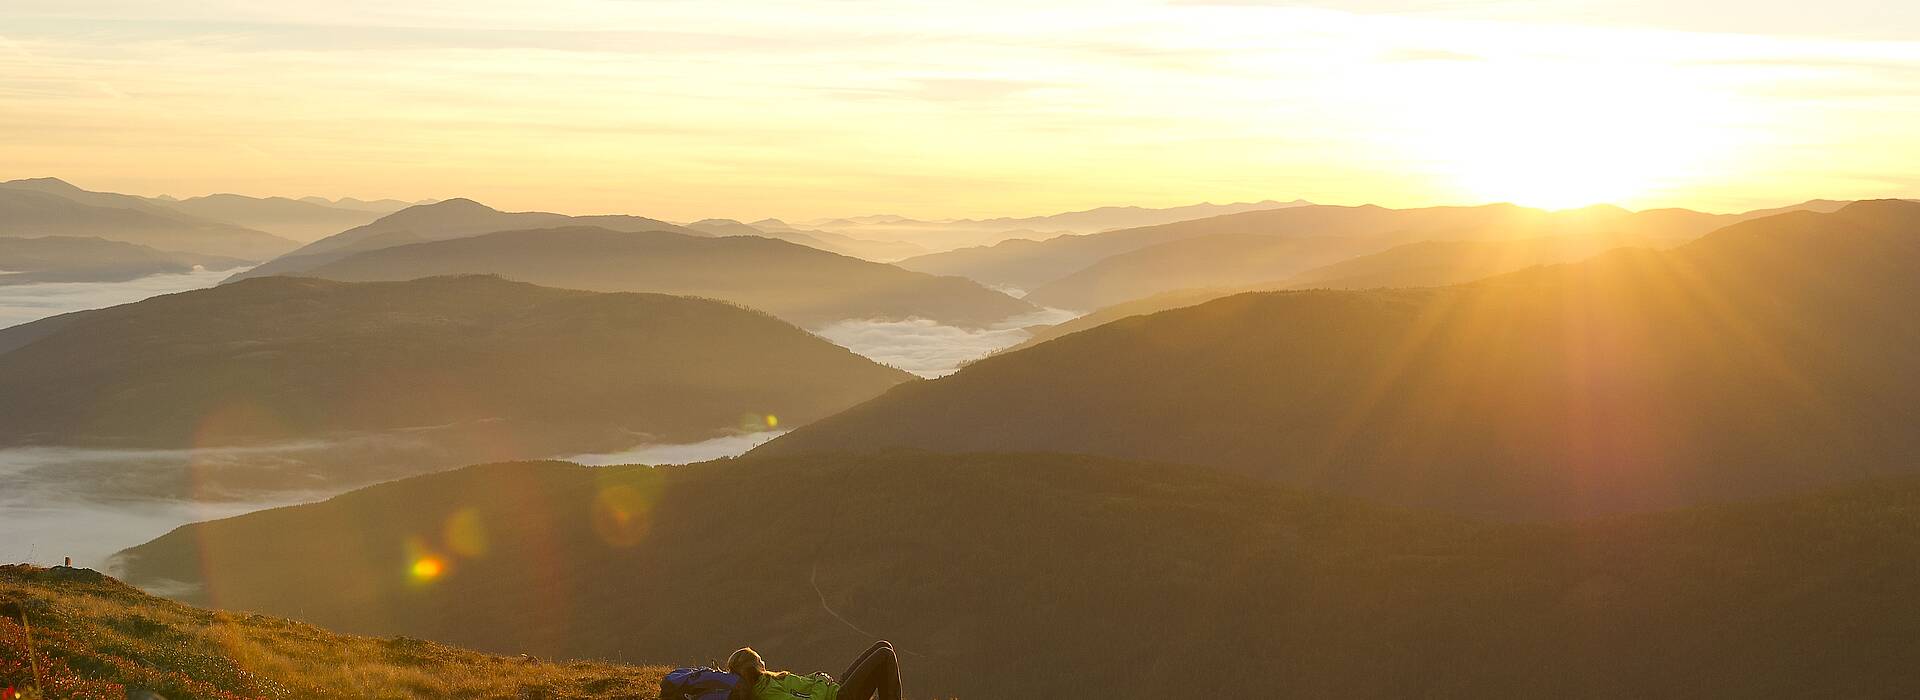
(1558, 136)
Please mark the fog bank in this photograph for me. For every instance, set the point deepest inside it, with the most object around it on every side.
(688, 453)
(21, 303)
(931, 349)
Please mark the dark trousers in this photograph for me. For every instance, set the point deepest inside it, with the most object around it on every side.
(876, 671)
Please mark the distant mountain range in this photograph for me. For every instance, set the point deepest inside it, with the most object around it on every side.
(71, 259)
(48, 207)
(481, 366)
(959, 233)
(300, 220)
(877, 251)
(1767, 357)
(383, 206)
(1085, 271)
(1058, 576)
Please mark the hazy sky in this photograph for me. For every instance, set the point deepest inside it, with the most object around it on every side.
(802, 108)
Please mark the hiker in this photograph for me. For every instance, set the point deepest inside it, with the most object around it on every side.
(876, 672)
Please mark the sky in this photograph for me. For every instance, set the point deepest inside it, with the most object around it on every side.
(802, 109)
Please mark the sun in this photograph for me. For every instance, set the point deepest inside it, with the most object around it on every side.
(1556, 136)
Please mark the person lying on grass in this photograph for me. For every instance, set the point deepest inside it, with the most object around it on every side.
(876, 672)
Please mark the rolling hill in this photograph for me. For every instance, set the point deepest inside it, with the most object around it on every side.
(1767, 357)
(48, 207)
(70, 259)
(477, 366)
(446, 220)
(1053, 576)
(94, 637)
(803, 285)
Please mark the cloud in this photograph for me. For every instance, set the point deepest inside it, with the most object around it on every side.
(931, 349)
(89, 503)
(686, 453)
(21, 303)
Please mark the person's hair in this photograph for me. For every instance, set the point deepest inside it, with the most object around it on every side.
(747, 664)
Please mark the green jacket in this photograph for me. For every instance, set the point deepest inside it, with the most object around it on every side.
(793, 686)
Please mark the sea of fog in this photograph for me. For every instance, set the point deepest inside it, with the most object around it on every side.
(931, 349)
(20, 303)
(90, 503)
(687, 453)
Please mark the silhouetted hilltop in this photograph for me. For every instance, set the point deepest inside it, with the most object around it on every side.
(49, 207)
(1762, 358)
(445, 220)
(1054, 576)
(478, 365)
(73, 259)
(94, 637)
(804, 285)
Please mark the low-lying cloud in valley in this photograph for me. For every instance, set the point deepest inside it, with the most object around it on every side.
(21, 303)
(688, 453)
(932, 349)
(89, 503)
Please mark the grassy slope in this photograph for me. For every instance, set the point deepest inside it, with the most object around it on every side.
(1076, 577)
(94, 638)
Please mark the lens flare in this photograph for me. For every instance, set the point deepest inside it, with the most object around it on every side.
(621, 515)
(464, 533)
(426, 569)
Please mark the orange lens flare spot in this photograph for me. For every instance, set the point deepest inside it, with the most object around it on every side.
(426, 569)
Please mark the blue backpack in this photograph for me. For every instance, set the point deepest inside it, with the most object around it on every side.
(697, 684)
